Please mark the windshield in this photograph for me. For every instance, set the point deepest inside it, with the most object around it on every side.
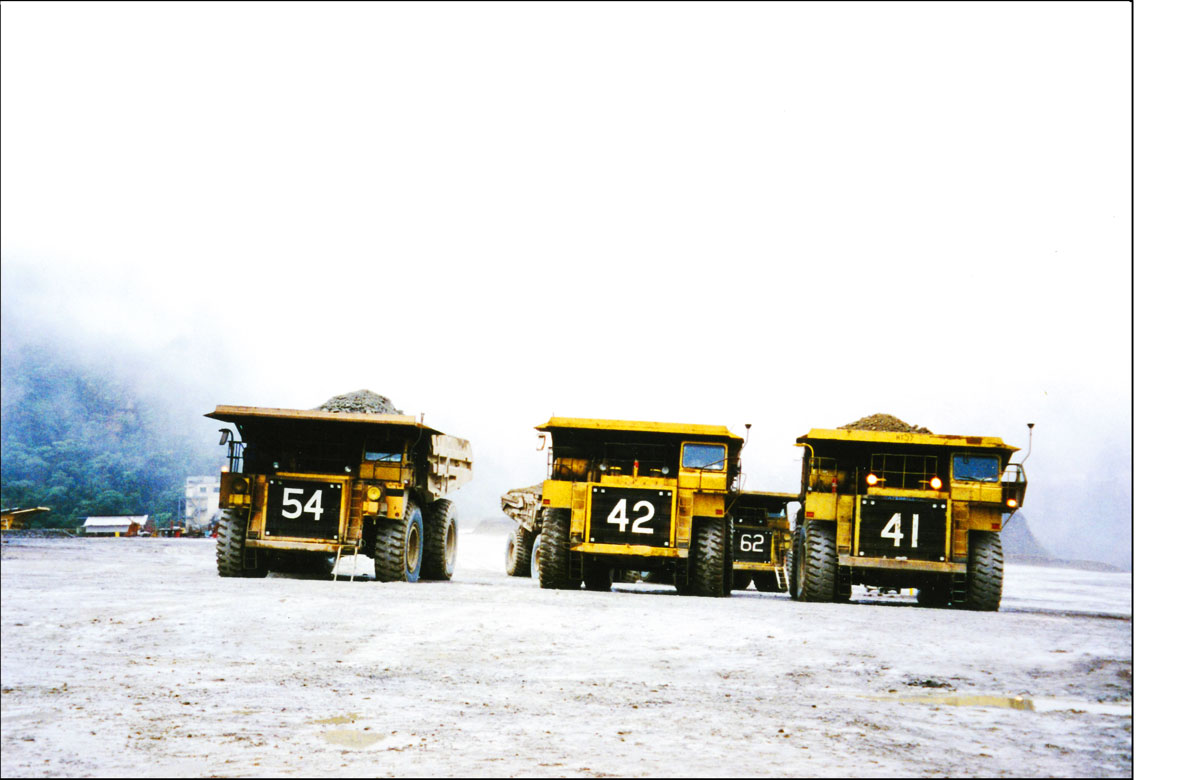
(704, 456)
(976, 468)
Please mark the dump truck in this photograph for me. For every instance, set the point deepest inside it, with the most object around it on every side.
(524, 506)
(762, 538)
(637, 496)
(895, 509)
(17, 519)
(303, 488)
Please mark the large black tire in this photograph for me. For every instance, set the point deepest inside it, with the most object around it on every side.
(682, 580)
(727, 577)
(399, 546)
(232, 558)
(795, 559)
(985, 572)
(535, 557)
(597, 577)
(817, 579)
(709, 548)
(441, 541)
(742, 580)
(518, 553)
(765, 582)
(842, 593)
(554, 559)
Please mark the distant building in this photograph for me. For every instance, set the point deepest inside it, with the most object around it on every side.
(200, 502)
(114, 525)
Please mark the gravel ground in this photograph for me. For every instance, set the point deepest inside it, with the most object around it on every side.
(130, 657)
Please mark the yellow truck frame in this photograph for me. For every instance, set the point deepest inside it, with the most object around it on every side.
(641, 496)
(17, 519)
(905, 510)
(304, 487)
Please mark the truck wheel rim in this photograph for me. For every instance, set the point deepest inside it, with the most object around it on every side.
(412, 548)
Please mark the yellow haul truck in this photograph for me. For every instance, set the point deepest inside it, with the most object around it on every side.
(305, 487)
(762, 539)
(905, 510)
(638, 496)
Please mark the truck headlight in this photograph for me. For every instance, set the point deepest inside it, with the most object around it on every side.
(240, 486)
(936, 483)
(373, 493)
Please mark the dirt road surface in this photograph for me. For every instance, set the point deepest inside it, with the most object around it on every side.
(131, 657)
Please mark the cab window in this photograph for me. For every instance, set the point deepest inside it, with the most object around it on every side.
(379, 451)
(709, 457)
(976, 468)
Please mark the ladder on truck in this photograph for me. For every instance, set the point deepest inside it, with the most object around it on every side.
(345, 549)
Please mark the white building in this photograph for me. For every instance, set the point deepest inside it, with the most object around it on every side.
(200, 501)
(113, 525)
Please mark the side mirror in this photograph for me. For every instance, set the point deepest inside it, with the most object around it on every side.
(225, 435)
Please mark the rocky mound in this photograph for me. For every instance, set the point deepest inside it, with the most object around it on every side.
(359, 401)
(883, 422)
(1019, 541)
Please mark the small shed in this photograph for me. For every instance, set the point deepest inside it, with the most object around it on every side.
(114, 525)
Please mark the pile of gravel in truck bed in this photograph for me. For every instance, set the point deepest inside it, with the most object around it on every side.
(359, 401)
(883, 422)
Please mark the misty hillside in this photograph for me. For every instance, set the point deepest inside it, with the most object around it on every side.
(1019, 541)
(86, 443)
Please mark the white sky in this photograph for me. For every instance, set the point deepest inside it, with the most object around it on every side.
(786, 214)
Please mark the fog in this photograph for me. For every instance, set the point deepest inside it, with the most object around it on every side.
(785, 215)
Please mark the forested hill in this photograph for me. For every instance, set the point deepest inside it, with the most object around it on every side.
(83, 441)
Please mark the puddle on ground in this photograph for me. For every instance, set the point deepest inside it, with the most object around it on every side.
(336, 720)
(1078, 705)
(1044, 704)
(964, 700)
(351, 739)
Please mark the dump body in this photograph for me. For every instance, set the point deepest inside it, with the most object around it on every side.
(630, 495)
(907, 509)
(309, 481)
(524, 505)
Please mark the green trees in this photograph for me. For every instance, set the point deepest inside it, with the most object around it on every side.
(84, 443)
